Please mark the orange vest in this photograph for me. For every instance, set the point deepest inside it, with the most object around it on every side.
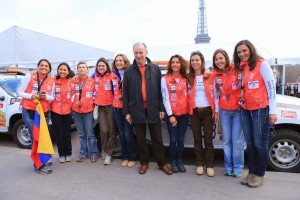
(177, 94)
(32, 88)
(117, 102)
(255, 92)
(209, 89)
(228, 84)
(62, 103)
(103, 89)
(85, 104)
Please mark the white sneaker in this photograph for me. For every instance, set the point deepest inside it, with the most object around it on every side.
(210, 172)
(61, 159)
(68, 158)
(199, 170)
(107, 160)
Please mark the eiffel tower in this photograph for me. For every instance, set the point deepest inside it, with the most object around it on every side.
(202, 32)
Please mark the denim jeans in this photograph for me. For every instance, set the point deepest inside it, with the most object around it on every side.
(232, 140)
(28, 122)
(256, 129)
(128, 144)
(84, 123)
(177, 134)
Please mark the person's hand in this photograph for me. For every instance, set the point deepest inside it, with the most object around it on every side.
(173, 120)
(42, 96)
(272, 118)
(162, 115)
(128, 119)
(74, 79)
(35, 96)
(207, 73)
(216, 117)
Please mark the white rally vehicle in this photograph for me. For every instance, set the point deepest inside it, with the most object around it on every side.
(284, 142)
(10, 114)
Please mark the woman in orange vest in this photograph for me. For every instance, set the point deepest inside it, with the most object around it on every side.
(128, 145)
(104, 99)
(61, 112)
(174, 93)
(227, 81)
(36, 85)
(82, 111)
(258, 101)
(201, 109)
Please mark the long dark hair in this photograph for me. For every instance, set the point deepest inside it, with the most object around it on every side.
(183, 65)
(253, 55)
(224, 53)
(69, 69)
(191, 75)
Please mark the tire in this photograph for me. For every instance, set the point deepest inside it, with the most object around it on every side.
(21, 135)
(284, 151)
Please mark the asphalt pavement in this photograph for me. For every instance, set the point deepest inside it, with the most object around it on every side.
(95, 181)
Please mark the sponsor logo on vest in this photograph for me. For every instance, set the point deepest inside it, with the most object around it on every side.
(288, 114)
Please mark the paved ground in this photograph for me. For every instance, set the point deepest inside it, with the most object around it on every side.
(95, 181)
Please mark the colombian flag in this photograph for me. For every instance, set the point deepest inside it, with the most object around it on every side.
(42, 148)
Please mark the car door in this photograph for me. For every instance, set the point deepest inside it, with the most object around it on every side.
(3, 110)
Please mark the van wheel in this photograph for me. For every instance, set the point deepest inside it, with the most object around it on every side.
(21, 135)
(284, 151)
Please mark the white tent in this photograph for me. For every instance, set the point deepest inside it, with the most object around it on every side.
(22, 47)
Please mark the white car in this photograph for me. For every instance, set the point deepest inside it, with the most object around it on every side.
(284, 143)
(10, 114)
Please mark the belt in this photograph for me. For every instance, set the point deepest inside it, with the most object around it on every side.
(203, 109)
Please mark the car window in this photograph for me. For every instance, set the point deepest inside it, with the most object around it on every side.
(10, 86)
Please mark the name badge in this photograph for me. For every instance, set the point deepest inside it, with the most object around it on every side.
(107, 87)
(253, 85)
(235, 86)
(89, 94)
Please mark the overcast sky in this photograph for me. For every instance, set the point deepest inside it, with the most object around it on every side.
(116, 24)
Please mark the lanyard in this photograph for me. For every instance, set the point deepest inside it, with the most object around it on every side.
(38, 80)
(80, 87)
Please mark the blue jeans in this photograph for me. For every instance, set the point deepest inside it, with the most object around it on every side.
(28, 122)
(85, 127)
(232, 140)
(177, 134)
(256, 129)
(128, 144)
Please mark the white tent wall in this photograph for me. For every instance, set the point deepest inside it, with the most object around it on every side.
(23, 48)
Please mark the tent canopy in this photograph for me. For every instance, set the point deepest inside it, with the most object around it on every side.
(20, 46)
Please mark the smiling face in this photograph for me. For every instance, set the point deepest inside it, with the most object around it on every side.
(175, 65)
(120, 63)
(220, 61)
(140, 54)
(101, 67)
(63, 71)
(43, 68)
(243, 52)
(196, 63)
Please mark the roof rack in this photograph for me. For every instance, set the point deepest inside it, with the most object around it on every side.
(12, 71)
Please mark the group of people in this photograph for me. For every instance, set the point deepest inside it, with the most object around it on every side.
(135, 96)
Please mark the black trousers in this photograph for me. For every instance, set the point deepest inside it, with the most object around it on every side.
(157, 143)
(62, 128)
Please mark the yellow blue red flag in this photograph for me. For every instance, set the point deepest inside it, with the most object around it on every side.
(42, 148)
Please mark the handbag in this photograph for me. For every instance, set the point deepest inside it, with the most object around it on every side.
(95, 112)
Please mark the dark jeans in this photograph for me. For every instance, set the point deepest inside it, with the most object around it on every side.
(203, 118)
(177, 134)
(157, 143)
(62, 128)
(256, 129)
(128, 144)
